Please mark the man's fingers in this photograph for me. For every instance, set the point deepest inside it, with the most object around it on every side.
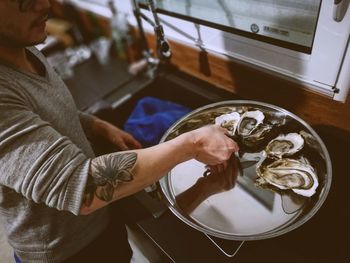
(135, 144)
(132, 142)
(233, 146)
(120, 144)
(123, 146)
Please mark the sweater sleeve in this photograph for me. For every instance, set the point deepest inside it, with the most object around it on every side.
(36, 160)
(86, 121)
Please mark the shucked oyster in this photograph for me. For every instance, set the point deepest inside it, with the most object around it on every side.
(258, 137)
(289, 174)
(271, 126)
(229, 121)
(249, 121)
(285, 145)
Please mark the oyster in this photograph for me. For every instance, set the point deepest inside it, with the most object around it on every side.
(275, 118)
(229, 121)
(290, 174)
(258, 136)
(249, 121)
(285, 145)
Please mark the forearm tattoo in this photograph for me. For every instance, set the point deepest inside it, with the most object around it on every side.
(106, 172)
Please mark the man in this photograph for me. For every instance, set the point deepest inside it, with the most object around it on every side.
(54, 193)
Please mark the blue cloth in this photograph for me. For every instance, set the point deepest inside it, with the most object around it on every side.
(151, 118)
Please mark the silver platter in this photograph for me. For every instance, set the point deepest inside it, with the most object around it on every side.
(245, 212)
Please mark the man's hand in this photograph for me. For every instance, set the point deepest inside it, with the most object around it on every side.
(221, 177)
(217, 179)
(121, 139)
(212, 145)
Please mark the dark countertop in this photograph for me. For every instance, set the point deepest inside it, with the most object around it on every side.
(92, 82)
(324, 238)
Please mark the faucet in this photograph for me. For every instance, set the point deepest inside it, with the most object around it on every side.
(163, 47)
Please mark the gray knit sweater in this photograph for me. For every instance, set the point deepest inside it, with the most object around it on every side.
(44, 162)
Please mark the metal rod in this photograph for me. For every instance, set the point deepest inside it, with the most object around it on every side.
(137, 14)
(147, 19)
(163, 47)
(152, 8)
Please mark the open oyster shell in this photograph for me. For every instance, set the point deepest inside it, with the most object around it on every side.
(249, 121)
(285, 145)
(291, 174)
(264, 131)
(258, 137)
(229, 121)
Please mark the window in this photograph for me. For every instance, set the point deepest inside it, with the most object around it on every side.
(303, 40)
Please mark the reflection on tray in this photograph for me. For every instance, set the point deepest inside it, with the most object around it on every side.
(265, 197)
(291, 203)
(212, 182)
(248, 178)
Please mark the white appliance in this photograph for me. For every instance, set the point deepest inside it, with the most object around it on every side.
(306, 41)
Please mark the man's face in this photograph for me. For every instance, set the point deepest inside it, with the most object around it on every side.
(23, 28)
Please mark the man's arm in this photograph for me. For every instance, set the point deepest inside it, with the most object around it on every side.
(36, 160)
(119, 138)
(46, 167)
(96, 128)
(116, 175)
(86, 121)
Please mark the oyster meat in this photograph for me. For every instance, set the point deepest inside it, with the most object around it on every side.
(249, 121)
(229, 121)
(258, 137)
(285, 145)
(290, 174)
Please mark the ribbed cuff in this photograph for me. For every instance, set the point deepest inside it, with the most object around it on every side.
(76, 188)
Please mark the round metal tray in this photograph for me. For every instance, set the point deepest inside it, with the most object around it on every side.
(246, 212)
